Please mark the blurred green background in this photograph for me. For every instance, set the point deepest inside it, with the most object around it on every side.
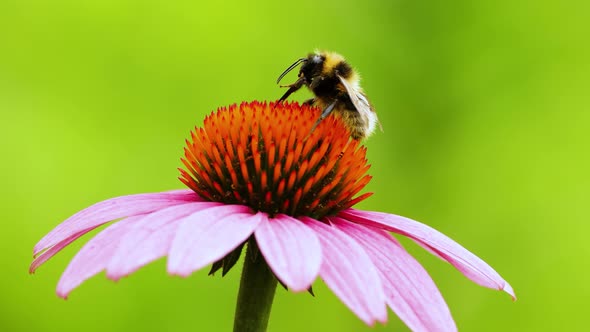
(485, 110)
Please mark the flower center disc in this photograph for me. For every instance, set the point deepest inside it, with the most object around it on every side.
(266, 156)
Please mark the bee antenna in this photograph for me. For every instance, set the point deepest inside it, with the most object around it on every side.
(295, 64)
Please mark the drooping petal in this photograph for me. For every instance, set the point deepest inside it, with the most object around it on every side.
(111, 209)
(409, 290)
(349, 272)
(291, 249)
(470, 265)
(47, 254)
(94, 256)
(209, 235)
(150, 238)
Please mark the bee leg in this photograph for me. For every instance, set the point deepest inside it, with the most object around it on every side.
(292, 88)
(325, 113)
(328, 110)
(309, 102)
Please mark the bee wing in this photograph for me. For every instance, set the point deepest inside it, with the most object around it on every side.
(358, 98)
(362, 105)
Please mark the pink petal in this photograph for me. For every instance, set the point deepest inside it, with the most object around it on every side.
(470, 265)
(94, 256)
(111, 209)
(291, 249)
(349, 273)
(209, 235)
(150, 238)
(47, 254)
(409, 290)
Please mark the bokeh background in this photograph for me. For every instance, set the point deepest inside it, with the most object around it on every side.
(485, 110)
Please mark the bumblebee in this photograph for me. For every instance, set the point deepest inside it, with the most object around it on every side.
(336, 87)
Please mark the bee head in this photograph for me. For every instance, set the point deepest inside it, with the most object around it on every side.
(312, 66)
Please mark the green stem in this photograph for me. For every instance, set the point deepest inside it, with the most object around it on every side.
(257, 290)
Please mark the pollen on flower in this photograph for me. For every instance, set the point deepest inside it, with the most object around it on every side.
(266, 156)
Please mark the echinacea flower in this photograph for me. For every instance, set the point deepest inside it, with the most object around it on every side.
(258, 174)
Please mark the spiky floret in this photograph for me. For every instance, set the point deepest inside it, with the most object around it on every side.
(265, 156)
